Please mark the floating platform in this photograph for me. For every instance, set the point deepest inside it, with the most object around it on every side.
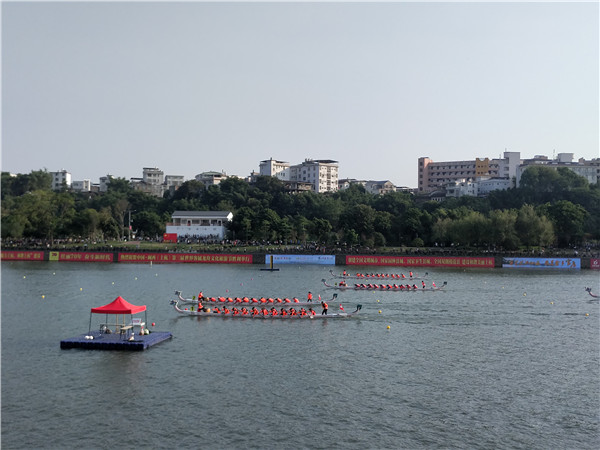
(103, 341)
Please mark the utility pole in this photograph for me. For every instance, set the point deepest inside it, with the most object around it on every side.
(129, 223)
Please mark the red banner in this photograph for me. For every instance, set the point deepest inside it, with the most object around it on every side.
(420, 261)
(81, 257)
(22, 255)
(595, 263)
(205, 258)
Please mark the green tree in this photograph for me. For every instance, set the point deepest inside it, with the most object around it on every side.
(568, 220)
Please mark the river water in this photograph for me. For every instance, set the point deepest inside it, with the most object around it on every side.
(504, 358)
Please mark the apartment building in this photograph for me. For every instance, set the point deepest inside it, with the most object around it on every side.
(211, 178)
(321, 173)
(481, 176)
(60, 179)
(273, 168)
(590, 170)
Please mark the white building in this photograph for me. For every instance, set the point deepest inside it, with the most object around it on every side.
(590, 170)
(210, 224)
(211, 178)
(322, 174)
(380, 187)
(82, 186)
(61, 179)
(273, 168)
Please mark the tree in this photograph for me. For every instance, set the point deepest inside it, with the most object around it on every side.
(148, 223)
(568, 220)
(503, 231)
(319, 229)
(532, 229)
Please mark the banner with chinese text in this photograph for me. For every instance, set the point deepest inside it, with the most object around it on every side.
(422, 261)
(205, 258)
(544, 263)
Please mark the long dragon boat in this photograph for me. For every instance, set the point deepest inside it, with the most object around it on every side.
(253, 301)
(383, 287)
(589, 291)
(290, 313)
(379, 276)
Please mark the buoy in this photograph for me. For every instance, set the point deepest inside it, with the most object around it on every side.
(24, 276)
(43, 296)
(586, 314)
(113, 283)
(524, 294)
(388, 327)
(552, 303)
(135, 278)
(152, 323)
(81, 289)
(379, 311)
(377, 301)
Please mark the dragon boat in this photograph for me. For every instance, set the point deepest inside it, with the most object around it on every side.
(383, 287)
(589, 291)
(265, 313)
(379, 276)
(252, 301)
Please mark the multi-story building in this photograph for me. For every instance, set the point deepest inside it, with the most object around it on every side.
(82, 186)
(152, 182)
(61, 179)
(273, 168)
(321, 173)
(211, 178)
(590, 170)
(434, 175)
(380, 187)
(481, 176)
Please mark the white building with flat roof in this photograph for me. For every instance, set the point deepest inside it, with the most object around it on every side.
(321, 173)
(211, 224)
(61, 179)
(273, 168)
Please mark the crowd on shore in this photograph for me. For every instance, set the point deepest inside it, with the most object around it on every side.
(236, 246)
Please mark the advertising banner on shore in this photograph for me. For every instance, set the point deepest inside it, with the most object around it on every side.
(22, 255)
(595, 263)
(302, 259)
(198, 258)
(543, 263)
(81, 257)
(420, 261)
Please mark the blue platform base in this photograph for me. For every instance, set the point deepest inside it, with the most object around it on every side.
(115, 341)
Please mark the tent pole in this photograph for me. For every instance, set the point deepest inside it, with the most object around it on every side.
(90, 329)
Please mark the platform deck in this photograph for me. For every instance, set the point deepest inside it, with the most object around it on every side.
(115, 341)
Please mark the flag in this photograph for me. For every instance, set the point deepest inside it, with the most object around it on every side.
(341, 307)
(319, 297)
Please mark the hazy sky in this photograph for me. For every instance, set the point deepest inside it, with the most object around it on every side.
(110, 88)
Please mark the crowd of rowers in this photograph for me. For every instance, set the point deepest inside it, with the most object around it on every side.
(397, 287)
(255, 312)
(261, 300)
(380, 275)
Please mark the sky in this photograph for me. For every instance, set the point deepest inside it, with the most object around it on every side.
(113, 87)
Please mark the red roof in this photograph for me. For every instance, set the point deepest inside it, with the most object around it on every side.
(119, 306)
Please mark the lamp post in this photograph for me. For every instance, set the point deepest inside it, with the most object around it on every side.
(129, 222)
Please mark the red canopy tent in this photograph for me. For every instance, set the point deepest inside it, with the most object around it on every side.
(118, 306)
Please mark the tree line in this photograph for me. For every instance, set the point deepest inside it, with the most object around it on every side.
(551, 208)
